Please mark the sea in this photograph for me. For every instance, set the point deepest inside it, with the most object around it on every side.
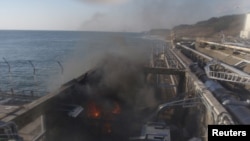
(31, 60)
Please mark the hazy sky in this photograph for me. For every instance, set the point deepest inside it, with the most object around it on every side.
(112, 15)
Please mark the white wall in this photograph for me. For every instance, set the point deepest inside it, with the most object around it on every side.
(245, 33)
(247, 22)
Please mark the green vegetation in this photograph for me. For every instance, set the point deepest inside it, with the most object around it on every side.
(231, 25)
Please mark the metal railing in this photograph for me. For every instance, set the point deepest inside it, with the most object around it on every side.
(25, 80)
(226, 76)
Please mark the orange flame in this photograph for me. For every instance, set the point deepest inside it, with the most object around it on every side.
(93, 110)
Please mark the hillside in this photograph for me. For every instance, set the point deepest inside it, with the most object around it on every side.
(231, 25)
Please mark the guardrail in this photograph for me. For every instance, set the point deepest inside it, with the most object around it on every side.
(26, 80)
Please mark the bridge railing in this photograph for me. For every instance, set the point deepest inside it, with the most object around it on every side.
(27, 80)
(226, 76)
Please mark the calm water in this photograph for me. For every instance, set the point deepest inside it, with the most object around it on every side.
(25, 51)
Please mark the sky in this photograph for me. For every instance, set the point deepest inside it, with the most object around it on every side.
(112, 15)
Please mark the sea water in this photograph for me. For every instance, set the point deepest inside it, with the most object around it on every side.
(29, 60)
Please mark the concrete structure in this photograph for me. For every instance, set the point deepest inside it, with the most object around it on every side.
(245, 33)
(60, 115)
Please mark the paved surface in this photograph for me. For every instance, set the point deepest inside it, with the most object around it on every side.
(225, 56)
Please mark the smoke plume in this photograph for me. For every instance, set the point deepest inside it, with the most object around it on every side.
(143, 15)
(122, 78)
(121, 68)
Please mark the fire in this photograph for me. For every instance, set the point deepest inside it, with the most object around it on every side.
(96, 111)
(93, 110)
(106, 113)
